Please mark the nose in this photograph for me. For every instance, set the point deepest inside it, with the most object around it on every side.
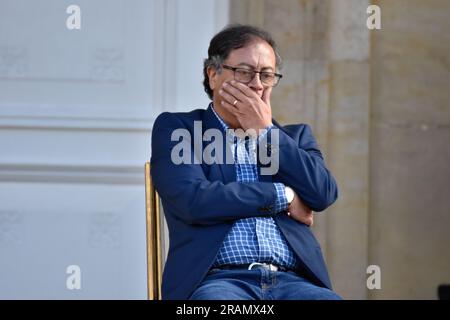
(256, 84)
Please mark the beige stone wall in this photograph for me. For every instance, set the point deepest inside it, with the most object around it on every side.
(378, 102)
(410, 148)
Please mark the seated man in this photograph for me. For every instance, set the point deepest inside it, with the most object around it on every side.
(238, 228)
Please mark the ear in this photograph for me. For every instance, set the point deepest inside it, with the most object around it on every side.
(212, 76)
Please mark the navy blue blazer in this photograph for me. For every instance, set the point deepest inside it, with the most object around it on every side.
(202, 201)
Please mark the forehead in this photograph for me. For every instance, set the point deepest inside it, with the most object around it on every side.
(257, 53)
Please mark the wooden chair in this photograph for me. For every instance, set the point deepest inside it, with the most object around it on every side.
(154, 240)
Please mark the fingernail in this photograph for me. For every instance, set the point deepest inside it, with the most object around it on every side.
(220, 91)
(225, 84)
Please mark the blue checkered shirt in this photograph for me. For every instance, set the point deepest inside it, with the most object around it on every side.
(256, 239)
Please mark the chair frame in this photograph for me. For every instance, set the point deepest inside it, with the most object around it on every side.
(154, 243)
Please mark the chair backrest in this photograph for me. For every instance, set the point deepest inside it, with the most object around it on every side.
(154, 242)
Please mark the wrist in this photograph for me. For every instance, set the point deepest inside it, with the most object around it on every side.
(290, 195)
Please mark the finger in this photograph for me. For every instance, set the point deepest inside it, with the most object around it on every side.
(311, 218)
(234, 91)
(230, 108)
(307, 209)
(244, 89)
(266, 95)
(228, 98)
(308, 221)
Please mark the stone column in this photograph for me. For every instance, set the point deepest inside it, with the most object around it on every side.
(347, 234)
(410, 134)
(325, 45)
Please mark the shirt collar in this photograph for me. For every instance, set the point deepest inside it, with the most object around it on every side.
(231, 137)
(224, 125)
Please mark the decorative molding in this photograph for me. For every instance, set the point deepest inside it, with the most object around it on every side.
(62, 173)
(108, 64)
(105, 230)
(61, 124)
(13, 62)
(10, 220)
(72, 117)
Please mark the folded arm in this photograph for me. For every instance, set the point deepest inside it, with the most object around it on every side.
(301, 167)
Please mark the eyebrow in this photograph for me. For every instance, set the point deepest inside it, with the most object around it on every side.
(253, 67)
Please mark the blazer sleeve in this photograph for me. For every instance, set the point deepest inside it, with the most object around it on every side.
(191, 196)
(302, 167)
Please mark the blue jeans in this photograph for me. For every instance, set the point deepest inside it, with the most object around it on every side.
(259, 284)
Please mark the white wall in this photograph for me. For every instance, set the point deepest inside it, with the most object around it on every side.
(76, 111)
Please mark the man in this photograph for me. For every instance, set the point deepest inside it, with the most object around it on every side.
(236, 233)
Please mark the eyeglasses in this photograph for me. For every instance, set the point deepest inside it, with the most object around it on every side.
(269, 79)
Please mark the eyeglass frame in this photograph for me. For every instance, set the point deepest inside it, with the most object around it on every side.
(277, 75)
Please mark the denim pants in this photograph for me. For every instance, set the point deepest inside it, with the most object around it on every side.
(259, 284)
